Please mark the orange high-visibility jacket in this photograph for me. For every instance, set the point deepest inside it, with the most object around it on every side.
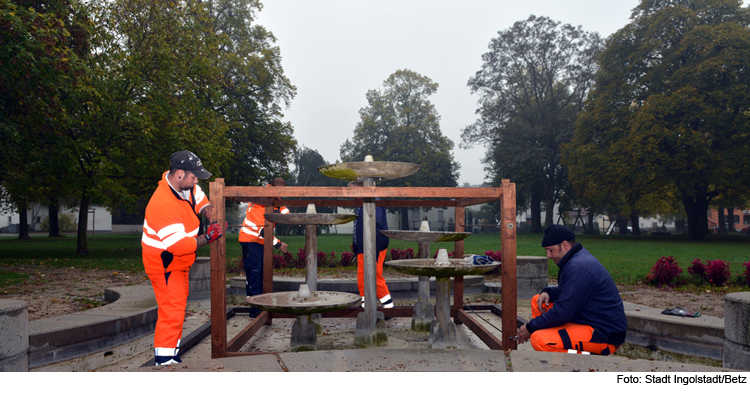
(170, 228)
(252, 228)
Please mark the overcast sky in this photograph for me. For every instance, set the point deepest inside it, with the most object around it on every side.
(334, 51)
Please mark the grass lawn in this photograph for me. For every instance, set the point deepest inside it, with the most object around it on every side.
(628, 258)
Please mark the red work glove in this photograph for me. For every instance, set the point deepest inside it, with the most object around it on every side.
(214, 232)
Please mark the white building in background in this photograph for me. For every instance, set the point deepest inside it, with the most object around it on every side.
(100, 220)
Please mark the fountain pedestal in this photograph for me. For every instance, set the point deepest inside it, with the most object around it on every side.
(303, 304)
(423, 315)
(442, 329)
(370, 323)
(311, 219)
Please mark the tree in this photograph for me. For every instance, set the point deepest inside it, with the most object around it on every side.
(669, 113)
(254, 88)
(532, 84)
(400, 124)
(42, 57)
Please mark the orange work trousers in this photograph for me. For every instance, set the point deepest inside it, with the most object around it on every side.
(570, 336)
(380, 288)
(171, 292)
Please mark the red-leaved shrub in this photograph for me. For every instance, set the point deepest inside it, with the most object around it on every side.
(664, 271)
(746, 274)
(718, 272)
(301, 260)
(495, 255)
(347, 258)
(698, 269)
(322, 259)
(332, 260)
(398, 254)
(279, 262)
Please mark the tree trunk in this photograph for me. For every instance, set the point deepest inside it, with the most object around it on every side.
(722, 225)
(549, 208)
(404, 218)
(695, 208)
(83, 223)
(536, 213)
(23, 222)
(54, 217)
(730, 219)
(634, 223)
(591, 223)
(622, 223)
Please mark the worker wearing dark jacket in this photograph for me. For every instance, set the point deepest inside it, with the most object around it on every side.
(584, 312)
(381, 246)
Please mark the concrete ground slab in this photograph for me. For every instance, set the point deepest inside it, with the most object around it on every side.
(534, 361)
(411, 360)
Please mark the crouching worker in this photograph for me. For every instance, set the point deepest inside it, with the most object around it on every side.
(584, 312)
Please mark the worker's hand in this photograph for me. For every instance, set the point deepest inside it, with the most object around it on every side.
(523, 334)
(213, 232)
(542, 302)
(283, 247)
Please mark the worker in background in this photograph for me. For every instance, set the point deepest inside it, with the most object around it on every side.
(381, 246)
(252, 235)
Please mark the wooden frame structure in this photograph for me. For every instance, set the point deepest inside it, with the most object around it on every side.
(459, 198)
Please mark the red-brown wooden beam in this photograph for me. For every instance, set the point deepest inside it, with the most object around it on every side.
(508, 230)
(218, 275)
(356, 203)
(482, 333)
(382, 192)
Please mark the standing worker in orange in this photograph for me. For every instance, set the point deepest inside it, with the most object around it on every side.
(252, 236)
(381, 246)
(170, 240)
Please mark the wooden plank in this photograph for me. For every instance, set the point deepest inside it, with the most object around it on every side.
(246, 333)
(360, 192)
(482, 333)
(357, 203)
(465, 202)
(218, 274)
(508, 231)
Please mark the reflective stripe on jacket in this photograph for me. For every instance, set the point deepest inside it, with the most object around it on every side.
(252, 227)
(170, 228)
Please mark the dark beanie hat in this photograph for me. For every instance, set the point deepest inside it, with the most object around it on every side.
(556, 234)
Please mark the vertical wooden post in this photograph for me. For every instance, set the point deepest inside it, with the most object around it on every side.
(268, 255)
(458, 252)
(218, 274)
(508, 247)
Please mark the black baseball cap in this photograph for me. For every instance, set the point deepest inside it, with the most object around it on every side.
(188, 161)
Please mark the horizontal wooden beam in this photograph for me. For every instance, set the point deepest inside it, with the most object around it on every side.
(232, 192)
(358, 203)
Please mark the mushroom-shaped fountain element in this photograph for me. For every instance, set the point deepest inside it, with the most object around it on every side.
(424, 312)
(442, 330)
(303, 304)
(368, 330)
(310, 219)
(384, 170)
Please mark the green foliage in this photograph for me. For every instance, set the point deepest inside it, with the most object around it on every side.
(67, 223)
(532, 84)
(95, 97)
(400, 124)
(668, 114)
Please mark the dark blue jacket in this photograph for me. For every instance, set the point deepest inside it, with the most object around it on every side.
(587, 295)
(381, 223)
